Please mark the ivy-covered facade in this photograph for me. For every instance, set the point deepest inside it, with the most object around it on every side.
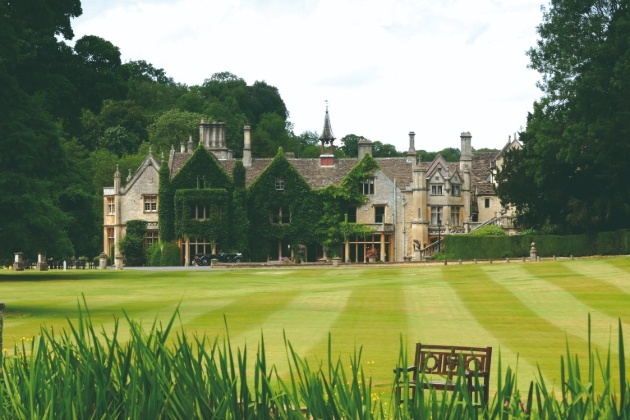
(286, 208)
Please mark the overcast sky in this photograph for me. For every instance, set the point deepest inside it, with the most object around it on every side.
(435, 67)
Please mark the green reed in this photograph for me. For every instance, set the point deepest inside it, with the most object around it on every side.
(160, 372)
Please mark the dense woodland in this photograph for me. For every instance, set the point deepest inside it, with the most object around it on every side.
(71, 110)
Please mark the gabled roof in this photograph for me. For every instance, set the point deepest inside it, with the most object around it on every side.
(316, 175)
(148, 161)
(511, 144)
(395, 168)
(438, 164)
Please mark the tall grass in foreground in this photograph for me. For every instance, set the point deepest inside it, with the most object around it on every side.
(160, 373)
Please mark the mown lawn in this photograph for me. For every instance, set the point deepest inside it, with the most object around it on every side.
(525, 309)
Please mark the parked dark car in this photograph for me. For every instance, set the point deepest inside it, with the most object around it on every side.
(205, 259)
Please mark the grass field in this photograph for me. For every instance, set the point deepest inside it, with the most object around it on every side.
(525, 309)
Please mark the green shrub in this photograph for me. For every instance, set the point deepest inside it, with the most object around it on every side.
(154, 254)
(170, 255)
(132, 244)
(488, 230)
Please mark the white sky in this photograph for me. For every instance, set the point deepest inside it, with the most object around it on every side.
(387, 67)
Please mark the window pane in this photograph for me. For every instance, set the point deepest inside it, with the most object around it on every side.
(379, 214)
(286, 215)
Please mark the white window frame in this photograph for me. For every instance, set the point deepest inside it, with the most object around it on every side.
(150, 203)
(111, 205)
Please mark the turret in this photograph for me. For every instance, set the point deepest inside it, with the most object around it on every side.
(327, 138)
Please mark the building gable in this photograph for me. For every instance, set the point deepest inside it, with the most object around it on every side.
(202, 170)
(147, 170)
(277, 178)
(437, 166)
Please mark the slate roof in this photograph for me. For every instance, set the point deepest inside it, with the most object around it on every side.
(481, 166)
(317, 176)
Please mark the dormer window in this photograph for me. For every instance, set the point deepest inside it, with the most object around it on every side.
(279, 184)
(456, 190)
(436, 189)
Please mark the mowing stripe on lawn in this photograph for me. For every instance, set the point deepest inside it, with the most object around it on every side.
(436, 315)
(372, 320)
(513, 323)
(555, 304)
(306, 320)
(601, 295)
(603, 271)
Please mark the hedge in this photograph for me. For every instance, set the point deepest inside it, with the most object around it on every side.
(518, 246)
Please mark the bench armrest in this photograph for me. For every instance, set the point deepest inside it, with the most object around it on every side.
(401, 370)
(479, 374)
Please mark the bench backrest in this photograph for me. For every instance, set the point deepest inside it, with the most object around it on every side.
(432, 359)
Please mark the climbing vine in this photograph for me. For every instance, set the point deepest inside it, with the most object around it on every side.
(200, 214)
(281, 186)
(166, 212)
(201, 172)
(248, 219)
(333, 227)
(239, 225)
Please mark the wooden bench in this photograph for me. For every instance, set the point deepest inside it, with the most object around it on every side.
(437, 366)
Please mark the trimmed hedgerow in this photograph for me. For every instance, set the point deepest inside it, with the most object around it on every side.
(603, 243)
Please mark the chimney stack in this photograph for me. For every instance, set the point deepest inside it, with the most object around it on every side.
(190, 145)
(411, 153)
(365, 147)
(247, 146)
(466, 150)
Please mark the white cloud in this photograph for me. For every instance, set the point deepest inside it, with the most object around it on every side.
(386, 68)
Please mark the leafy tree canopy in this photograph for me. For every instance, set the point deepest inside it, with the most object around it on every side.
(571, 173)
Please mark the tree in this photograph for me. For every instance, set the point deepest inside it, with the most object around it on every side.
(351, 144)
(269, 135)
(127, 114)
(75, 193)
(101, 74)
(30, 156)
(152, 89)
(385, 150)
(119, 141)
(572, 163)
(173, 127)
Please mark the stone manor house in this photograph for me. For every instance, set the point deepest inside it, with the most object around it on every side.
(411, 204)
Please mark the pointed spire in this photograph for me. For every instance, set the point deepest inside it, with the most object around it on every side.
(327, 134)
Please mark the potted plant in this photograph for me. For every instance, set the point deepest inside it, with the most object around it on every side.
(371, 254)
